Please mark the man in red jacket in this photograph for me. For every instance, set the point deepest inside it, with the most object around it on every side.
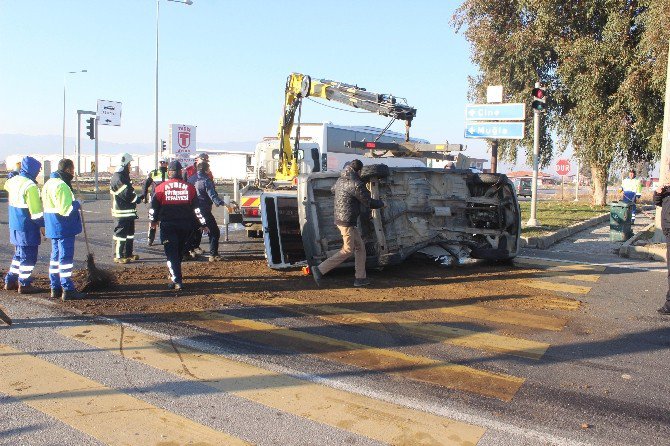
(175, 205)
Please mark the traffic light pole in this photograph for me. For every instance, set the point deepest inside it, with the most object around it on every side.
(95, 158)
(532, 221)
(664, 169)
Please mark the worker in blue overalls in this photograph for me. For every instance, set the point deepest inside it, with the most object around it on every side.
(631, 188)
(63, 223)
(26, 225)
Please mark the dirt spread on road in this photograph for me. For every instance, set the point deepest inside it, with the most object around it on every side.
(142, 288)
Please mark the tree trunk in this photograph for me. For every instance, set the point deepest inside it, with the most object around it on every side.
(599, 184)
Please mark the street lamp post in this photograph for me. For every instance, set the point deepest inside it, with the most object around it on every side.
(64, 87)
(158, 9)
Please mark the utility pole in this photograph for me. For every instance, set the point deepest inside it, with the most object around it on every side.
(577, 185)
(532, 221)
(494, 156)
(664, 169)
(539, 105)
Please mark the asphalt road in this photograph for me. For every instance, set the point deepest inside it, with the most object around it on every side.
(69, 379)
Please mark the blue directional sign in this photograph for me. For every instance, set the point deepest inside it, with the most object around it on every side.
(495, 112)
(494, 130)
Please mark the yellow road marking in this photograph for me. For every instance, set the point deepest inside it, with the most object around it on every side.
(554, 286)
(452, 376)
(565, 275)
(506, 317)
(365, 416)
(439, 333)
(104, 413)
(558, 265)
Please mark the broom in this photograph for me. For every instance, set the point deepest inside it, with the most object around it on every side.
(96, 279)
(4, 318)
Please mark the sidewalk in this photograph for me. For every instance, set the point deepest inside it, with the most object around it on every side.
(594, 246)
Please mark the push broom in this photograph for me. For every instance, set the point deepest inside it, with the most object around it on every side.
(96, 279)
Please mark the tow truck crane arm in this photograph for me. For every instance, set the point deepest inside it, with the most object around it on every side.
(299, 86)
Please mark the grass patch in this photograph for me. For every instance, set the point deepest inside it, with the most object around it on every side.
(555, 215)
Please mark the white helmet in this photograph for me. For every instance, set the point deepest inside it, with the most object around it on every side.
(125, 159)
(165, 159)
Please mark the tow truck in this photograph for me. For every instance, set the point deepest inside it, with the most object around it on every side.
(278, 161)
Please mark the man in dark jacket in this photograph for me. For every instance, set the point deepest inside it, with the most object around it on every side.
(208, 196)
(662, 198)
(350, 195)
(124, 204)
(174, 205)
(190, 175)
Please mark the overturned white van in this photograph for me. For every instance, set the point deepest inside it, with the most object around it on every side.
(428, 210)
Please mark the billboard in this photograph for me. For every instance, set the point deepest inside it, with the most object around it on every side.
(182, 143)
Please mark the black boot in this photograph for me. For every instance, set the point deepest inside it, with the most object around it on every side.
(72, 295)
(56, 293)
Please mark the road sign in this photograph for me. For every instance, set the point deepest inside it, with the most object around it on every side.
(182, 142)
(109, 112)
(563, 167)
(494, 130)
(495, 112)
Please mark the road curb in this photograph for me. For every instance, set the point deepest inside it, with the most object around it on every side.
(654, 252)
(545, 241)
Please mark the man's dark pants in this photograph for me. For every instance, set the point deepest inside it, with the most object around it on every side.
(124, 237)
(174, 236)
(666, 232)
(214, 234)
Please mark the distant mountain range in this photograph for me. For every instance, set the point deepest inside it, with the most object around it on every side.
(11, 144)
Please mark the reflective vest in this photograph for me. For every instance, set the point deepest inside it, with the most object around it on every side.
(157, 176)
(25, 211)
(124, 198)
(61, 210)
(632, 185)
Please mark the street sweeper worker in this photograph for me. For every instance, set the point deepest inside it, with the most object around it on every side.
(174, 205)
(156, 177)
(62, 223)
(124, 204)
(26, 225)
(631, 189)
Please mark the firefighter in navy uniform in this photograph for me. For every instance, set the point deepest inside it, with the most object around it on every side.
(174, 205)
(124, 204)
(156, 177)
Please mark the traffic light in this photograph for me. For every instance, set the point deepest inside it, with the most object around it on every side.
(90, 128)
(163, 146)
(539, 98)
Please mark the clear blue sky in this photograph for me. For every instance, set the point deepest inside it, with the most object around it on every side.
(223, 64)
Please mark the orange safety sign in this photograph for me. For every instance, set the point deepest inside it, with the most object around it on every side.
(252, 202)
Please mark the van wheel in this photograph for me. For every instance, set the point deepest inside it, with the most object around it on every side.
(489, 178)
(375, 171)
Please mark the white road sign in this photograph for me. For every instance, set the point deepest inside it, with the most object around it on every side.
(182, 143)
(109, 112)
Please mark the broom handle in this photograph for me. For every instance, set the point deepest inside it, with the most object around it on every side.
(81, 213)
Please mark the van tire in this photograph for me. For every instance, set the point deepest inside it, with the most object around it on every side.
(375, 171)
(489, 178)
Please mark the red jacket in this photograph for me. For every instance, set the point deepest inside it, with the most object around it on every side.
(175, 201)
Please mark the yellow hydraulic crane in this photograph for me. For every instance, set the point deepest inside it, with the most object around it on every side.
(299, 86)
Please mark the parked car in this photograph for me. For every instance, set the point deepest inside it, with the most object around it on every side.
(522, 186)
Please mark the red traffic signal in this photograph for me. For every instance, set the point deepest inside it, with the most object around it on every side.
(539, 99)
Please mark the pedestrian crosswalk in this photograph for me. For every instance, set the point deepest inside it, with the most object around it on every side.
(78, 400)
(388, 423)
(106, 414)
